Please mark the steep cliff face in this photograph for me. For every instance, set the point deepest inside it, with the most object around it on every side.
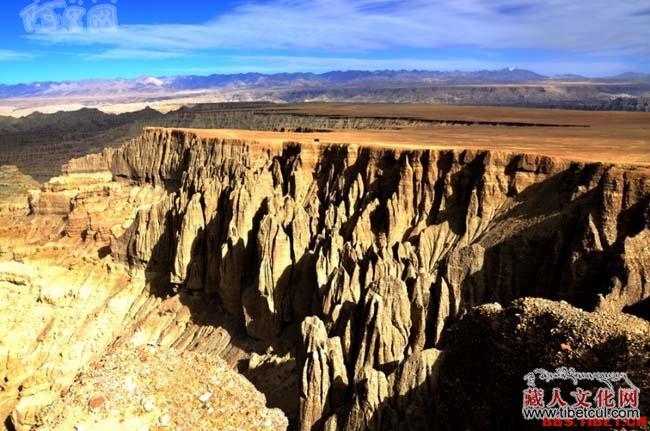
(70, 308)
(365, 255)
(65, 302)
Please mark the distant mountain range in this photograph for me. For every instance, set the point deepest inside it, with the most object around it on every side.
(298, 81)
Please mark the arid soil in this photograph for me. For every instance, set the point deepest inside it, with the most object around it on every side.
(139, 388)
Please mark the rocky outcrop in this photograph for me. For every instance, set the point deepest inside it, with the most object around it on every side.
(385, 246)
(483, 225)
(68, 302)
(386, 323)
(189, 258)
(14, 187)
(345, 266)
(531, 334)
(64, 322)
(324, 378)
(148, 388)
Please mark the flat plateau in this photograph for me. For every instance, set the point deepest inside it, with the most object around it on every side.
(616, 137)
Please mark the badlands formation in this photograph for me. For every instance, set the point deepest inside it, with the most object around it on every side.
(353, 284)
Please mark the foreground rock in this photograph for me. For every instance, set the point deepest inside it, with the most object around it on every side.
(65, 301)
(147, 388)
(493, 348)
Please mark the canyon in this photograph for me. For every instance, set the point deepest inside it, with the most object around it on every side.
(357, 279)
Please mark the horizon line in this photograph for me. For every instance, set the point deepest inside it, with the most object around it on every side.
(449, 71)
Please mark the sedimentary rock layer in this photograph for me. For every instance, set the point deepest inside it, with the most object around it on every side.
(345, 267)
(383, 248)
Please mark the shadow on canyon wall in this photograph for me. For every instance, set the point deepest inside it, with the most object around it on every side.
(276, 380)
(475, 391)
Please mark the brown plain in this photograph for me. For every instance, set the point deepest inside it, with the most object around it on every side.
(616, 137)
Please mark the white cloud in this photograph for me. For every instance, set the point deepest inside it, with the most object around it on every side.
(9, 55)
(354, 26)
(126, 53)
(343, 25)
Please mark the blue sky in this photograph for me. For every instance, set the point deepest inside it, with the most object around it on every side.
(166, 38)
